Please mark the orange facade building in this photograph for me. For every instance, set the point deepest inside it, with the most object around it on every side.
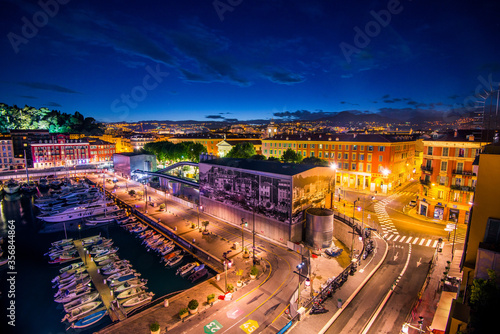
(447, 180)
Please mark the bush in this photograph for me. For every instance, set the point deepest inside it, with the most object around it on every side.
(154, 326)
(183, 311)
(131, 192)
(162, 206)
(211, 296)
(254, 271)
(230, 287)
(193, 304)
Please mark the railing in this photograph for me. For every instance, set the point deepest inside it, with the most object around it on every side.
(462, 188)
(426, 169)
(425, 182)
(463, 172)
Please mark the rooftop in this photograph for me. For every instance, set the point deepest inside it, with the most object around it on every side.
(274, 167)
(346, 137)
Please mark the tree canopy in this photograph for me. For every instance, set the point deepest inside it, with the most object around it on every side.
(315, 161)
(168, 151)
(242, 151)
(30, 118)
(291, 156)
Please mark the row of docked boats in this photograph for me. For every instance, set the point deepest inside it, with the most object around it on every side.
(13, 186)
(165, 248)
(80, 301)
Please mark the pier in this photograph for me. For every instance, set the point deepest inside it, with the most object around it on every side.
(99, 282)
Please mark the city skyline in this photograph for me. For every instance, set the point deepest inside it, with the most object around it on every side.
(242, 60)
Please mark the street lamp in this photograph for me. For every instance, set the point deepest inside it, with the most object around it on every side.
(226, 264)
(199, 208)
(353, 211)
(166, 195)
(333, 166)
(299, 268)
(243, 222)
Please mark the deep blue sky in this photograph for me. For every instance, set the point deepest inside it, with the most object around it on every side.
(257, 59)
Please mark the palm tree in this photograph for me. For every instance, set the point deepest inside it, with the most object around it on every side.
(205, 224)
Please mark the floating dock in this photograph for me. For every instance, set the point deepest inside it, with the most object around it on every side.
(99, 282)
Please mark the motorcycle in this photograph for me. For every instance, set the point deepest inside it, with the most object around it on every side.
(316, 309)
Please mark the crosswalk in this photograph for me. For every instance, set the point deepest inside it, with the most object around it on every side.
(385, 221)
(411, 240)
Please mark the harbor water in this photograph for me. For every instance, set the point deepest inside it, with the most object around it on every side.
(27, 300)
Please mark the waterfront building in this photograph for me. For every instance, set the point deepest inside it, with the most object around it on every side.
(372, 162)
(447, 180)
(21, 143)
(101, 151)
(274, 195)
(59, 150)
(7, 159)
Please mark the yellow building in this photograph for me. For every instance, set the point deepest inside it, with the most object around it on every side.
(122, 145)
(374, 162)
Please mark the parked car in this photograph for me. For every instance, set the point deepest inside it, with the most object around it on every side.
(413, 203)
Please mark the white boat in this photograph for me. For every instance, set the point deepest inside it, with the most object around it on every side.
(123, 279)
(73, 285)
(62, 242)
(81, 311)
(67, 274)
(115, 270)
(100, 259)
(122, 273)
(107, 218)
(134, 283)
(173, 261)
(83, 211)
(89, 319)
(142, 298)
(66, 298)
(11, 187)
(166, 249)
(187, 268)
(114, 264)
(71, 266)
(70, 278)
(129, 293)
(80, 301)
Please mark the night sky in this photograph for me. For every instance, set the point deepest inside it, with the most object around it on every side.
(247, 59)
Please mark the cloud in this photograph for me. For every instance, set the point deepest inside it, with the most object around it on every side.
(214, 117)
(283, 77)
(303, 114)
(47, 86)
(53, 104)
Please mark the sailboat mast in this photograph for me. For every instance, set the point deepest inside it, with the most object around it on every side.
(26, 166)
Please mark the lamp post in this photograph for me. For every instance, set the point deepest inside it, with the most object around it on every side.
(353, 211)
(333, 166)
(243, 222)
(146, 193)
(299, 268)
(166, 195)
(224, 256)
(199, 207)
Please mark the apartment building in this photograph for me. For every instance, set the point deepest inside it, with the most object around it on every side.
(59, 150)
(374, 162)
(7, 159)
(101, 151)
(447, 180)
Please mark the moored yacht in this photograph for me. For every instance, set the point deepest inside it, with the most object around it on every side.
(11, 187)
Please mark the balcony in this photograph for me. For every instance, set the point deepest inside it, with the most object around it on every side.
(426, 169)
(462, 188)
(425, 182)
(463, 172)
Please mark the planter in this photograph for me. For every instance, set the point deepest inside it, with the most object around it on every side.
(253, 276)
(246, 255)
(182, 316)
(156, 332)
(239, 284)
(193, 311)
(210, 300)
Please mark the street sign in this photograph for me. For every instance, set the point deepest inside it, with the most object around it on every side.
(250, 326)
(212, 327)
